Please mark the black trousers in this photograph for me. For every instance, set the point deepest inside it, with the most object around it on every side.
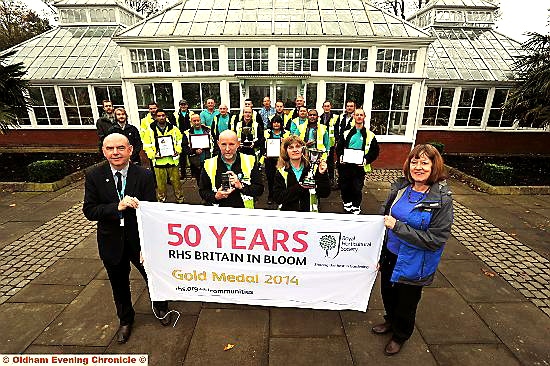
(119, 277)
(351, 178)
(270, 170)
(400, 300)
(330, 164)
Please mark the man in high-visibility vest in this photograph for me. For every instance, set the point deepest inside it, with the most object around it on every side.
(329, 119)
(315, 134)
(148, 119)
(293, 124)
(162, 138)
(250, 133)
(351, 171)
(244, 179)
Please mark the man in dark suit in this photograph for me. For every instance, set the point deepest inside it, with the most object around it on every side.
(112, 194)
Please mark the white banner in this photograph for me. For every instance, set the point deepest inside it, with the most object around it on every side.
(259, 257)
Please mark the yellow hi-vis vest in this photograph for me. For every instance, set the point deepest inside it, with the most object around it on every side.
(370, 136)
(313, 202)
(247, 163)
(321, 129)
(331, 124)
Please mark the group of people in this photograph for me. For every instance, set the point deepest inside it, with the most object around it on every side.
(227, 164)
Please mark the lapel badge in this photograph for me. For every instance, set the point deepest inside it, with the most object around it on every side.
(106, 180)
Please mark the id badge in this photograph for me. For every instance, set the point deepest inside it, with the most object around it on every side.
(122, 221)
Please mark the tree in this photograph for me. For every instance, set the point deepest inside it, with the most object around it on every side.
(405, 8)
(145, 7)
(13, 98)
(18, 23)
(528, 100)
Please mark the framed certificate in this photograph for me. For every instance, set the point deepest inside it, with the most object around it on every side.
(273, 148)
(166, 146)
(199, 141)
(353, 156)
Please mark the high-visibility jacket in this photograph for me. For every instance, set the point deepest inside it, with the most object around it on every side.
(295, 123)
(313, 201)
(150, 144)
(247, 163)
(331, 125)
(144, 125)
(367, 142)
(321, 131)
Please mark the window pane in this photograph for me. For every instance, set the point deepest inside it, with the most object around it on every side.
(191, 92)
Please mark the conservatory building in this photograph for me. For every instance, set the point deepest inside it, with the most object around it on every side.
(442, 76)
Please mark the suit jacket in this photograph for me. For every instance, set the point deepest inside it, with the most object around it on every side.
(101, 205)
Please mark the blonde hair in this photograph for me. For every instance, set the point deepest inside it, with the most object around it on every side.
(284, 159)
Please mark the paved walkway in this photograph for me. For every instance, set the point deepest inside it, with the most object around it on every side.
(489, 305)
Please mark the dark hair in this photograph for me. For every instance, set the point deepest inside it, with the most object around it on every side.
(438, 167)
(302, 107)
(105, 101)
(351, 101)
(327, 101)
(161, 110)
(277, 119)
(152, 103)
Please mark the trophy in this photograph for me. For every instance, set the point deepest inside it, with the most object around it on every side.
(314, 157)
(246, 136)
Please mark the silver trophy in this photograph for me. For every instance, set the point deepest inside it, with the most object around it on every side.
(246, 136)
(314, 156)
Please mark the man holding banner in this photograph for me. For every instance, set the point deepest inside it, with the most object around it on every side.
(230, 179)
(111, 197)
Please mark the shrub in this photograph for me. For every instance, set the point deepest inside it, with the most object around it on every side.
(497, 175)
(46, 171)
(438, 145)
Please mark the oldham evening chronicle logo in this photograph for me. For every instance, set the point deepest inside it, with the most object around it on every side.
(330, 243)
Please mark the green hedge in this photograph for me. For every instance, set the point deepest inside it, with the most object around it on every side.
(438, 145)
(46, 171)
(497, 175)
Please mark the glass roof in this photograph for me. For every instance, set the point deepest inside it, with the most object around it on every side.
(471, 54)
(461, 3)
(71, 53)
(281, 17)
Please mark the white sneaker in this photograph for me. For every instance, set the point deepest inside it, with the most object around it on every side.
(356, 210)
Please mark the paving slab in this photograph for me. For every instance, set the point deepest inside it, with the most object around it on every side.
(470, 280)
(535, 239)
(70, 272)
(368, 348)
(522, 327)
(443, 317)
(68, 350)
(474, 355)
(440, 281)
(474, 201)
(164, 345)
(309, 351)
(247, 330)
(74, 195)
(90, 320)
(291, 322)
(42, 212)
(85, 249)
(456, 250)
(375, 299)
(143, 305)
(12, 230)
(47, 294)
(22, 323)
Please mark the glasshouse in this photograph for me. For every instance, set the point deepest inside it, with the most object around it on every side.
(443, 75)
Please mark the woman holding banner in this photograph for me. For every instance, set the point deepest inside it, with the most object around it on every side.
(275, 131)
(298, 185)
(418, 217)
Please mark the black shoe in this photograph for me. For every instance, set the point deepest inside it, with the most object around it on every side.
(392, 348)
(270, 201)
(123, 333)
(165, 320)
(382, 328)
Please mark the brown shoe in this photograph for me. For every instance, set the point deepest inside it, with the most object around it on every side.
(382, 328)
(392, 348)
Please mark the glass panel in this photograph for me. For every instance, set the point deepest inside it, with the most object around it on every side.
(379, 122)
(191, 92)
(69, 98)
(401, 97)
(311, 95)
(382, 96)
(234, 96)
(287, 94)
(430, 113)
(466, 97)
(211, 90)
(356, 92)
(499, 98)
(335, 93)
(144, 95)
(164, 96)
(480, 97)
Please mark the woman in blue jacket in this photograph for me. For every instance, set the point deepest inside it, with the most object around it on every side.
(418, 217)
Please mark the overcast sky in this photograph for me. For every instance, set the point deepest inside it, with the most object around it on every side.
(518, 16)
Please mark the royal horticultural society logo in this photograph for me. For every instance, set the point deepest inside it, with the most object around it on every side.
(330, 243)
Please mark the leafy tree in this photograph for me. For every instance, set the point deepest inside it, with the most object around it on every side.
(145, 7)
(13, 99)
(529, 98)
(18, 23)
